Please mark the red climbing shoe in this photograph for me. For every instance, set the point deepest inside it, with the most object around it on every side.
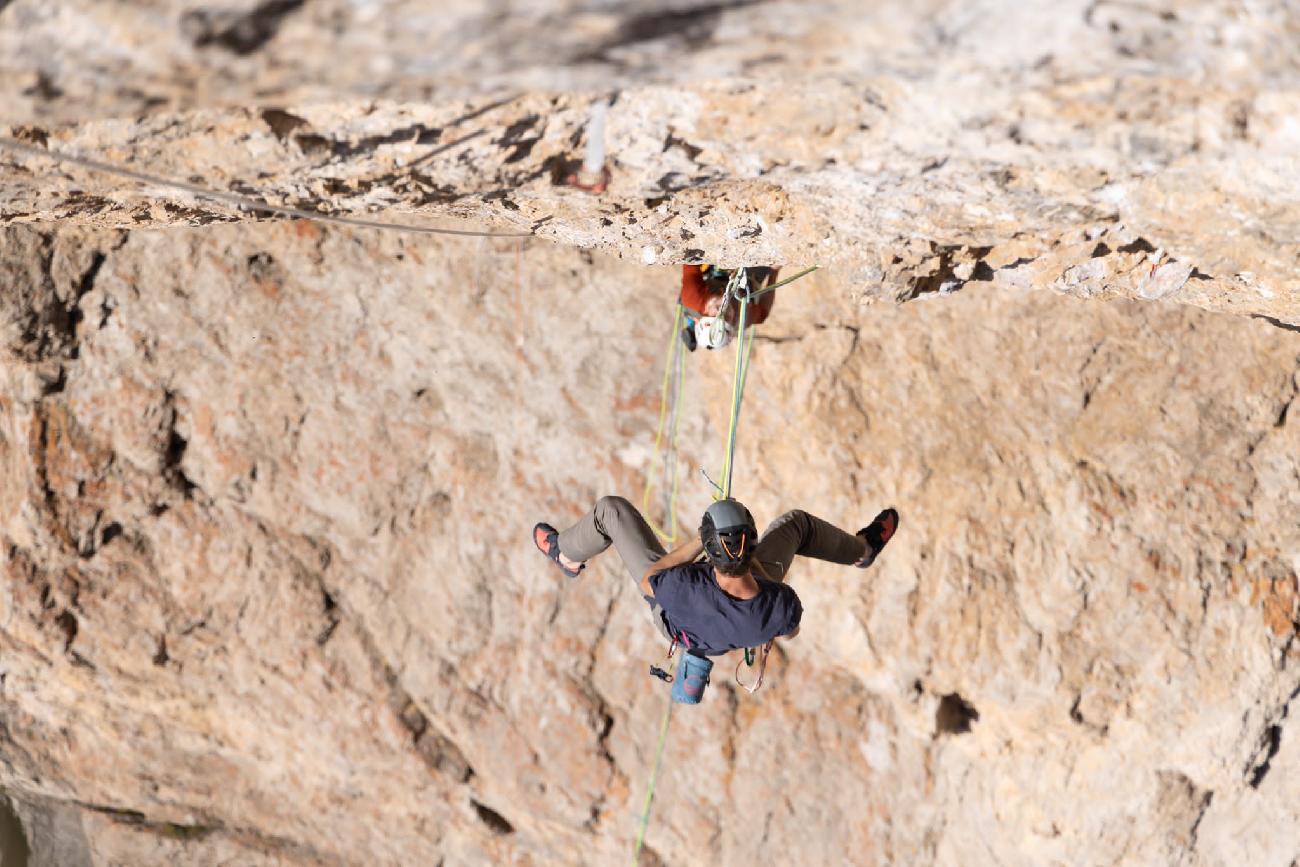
(547, 541)
(876, 535)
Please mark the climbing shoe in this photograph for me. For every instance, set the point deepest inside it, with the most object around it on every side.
(877, 534)
(547, 541)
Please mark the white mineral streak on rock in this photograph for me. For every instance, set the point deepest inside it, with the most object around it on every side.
(1164, 279)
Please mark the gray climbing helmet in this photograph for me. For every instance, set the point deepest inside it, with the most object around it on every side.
(728, 534)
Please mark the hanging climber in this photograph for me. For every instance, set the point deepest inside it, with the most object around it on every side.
(736, 597)
(703, 289)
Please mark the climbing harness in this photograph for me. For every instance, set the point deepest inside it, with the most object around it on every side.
(237, 200)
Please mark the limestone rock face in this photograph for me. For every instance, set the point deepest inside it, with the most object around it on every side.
(269, 594)
(917, 148)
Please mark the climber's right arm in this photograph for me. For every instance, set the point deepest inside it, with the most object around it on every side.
(682, 554)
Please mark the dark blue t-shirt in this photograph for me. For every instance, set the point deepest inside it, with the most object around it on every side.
(716, 623)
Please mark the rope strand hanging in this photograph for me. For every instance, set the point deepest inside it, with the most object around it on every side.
(238, 200)
(670, 399)
(737, 290)
(654, 778)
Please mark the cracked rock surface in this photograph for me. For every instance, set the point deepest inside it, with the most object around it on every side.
(268, 591)
(269, 594)
(1093, 147)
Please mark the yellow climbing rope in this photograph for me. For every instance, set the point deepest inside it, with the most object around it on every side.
(654, 777)
(744, 343)
(670, 396)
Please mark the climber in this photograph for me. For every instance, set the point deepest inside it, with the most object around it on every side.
(703, 287)
(736, 597)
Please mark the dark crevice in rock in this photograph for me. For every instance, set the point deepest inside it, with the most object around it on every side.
(1206, 800)
(41, 458)
(161, 657)
(945, 270)
(44, 87)
(239, 34)
(48, 313)
(942, 279)
(174, 450)
(72, 315)
(687, 148)
(53, 381)
(207, 826)
(438, 752)
(1272, 742)
(415, 134)
(13, 841)
(954, 715)
(281, 122)
(675, 182)
(332, 619)
(694, 24)
(1286, 326)
(495, 822)
(605, 725)
(1138, 245)
(67, 621)
(515, 136)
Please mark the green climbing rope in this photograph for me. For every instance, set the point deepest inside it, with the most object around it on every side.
(669, 414)
(744, 343)
(654, 777)
(775, 286)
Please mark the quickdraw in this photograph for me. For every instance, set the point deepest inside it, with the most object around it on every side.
(656, 671)
(762, 666)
